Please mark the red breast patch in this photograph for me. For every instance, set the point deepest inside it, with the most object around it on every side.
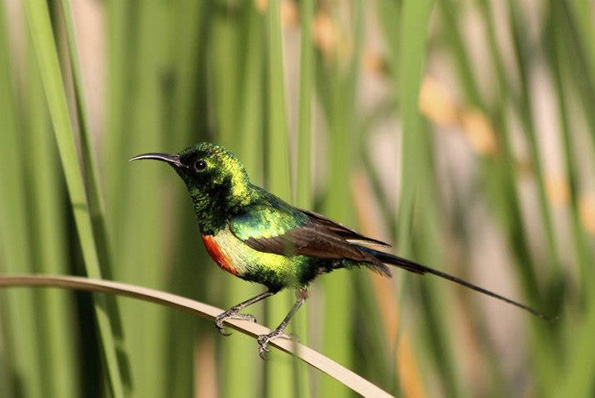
(215, 252)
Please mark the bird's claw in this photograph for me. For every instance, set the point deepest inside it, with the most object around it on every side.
(231, 314)
(221, 329)
(263, 341)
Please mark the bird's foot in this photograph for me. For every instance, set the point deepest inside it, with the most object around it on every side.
(265, 339)
(232, 313)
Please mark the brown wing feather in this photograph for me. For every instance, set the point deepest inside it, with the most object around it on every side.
(341, 230)
(316, 239)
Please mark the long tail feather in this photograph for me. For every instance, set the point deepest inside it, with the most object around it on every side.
(422, 269)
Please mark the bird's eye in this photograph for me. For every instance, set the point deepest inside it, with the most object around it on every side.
(200, 165)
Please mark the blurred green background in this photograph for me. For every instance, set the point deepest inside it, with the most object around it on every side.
(461, 131)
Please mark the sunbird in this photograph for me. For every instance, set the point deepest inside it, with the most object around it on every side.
(256, 236)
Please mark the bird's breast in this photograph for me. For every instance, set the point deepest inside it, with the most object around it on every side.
(236, 257)
(217, 250)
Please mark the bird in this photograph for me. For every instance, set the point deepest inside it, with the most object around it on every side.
(258, 237)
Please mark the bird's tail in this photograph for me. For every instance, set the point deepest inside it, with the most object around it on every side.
(411, 266)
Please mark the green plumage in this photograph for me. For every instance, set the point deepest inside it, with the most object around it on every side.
(264, 240)
(258, 237)
(267, 218)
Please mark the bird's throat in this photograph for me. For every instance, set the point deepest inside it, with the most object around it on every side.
(214, 206)
(211, 216)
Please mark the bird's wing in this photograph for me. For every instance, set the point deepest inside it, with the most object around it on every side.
(341, 230)
(276, 227)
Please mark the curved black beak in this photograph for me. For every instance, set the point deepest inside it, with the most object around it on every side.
(172, 159)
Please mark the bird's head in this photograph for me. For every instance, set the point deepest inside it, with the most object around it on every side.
(216, 179)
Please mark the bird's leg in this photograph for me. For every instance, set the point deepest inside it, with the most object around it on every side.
(234, 312)
(264, 339)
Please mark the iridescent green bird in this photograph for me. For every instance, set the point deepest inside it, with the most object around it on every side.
(258, 237)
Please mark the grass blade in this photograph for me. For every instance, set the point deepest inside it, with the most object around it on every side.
(326, 365)
(414, 21)
(48, 243)
(417, 176)
(22, 346)
(278, 369)
(45, 47)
